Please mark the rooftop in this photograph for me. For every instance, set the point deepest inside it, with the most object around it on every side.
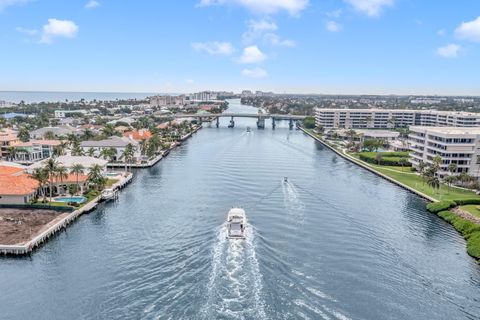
(448, 130)
(69, 161)
(17, 184)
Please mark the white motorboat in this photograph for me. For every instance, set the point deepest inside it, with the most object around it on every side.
(236, 223)
(109, 194)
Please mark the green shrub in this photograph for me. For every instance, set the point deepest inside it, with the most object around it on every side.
(462, 202)
(388, 158)
(473, 245)
(469, 230)
(436, 207)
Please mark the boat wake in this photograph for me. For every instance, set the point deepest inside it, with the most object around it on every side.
(235, 287)
(292, 202)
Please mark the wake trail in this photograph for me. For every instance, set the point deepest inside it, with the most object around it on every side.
(235, 287)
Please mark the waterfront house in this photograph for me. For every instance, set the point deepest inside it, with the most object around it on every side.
(138, 135)
(116, 143)
(16, 187)
(57, 132)
(34, 150)
(8, 138)
(70, 161)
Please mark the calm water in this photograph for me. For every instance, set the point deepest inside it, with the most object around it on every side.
(335, 242)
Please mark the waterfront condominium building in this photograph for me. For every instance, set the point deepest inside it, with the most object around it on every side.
(457, 145)
(393, 118)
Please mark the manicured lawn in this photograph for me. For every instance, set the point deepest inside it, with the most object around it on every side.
(416, 182)
(472, 208)
(111, 182)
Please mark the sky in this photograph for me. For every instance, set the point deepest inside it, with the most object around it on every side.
(285, 46)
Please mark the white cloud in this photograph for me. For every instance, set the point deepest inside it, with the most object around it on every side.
(8, 3)
(449, 51)
(252, 54)
(265, 30)
(28, 32)
(333, 26)
(254, 73)
(92, 4)
(256, 29)
(276, 40)
(293, 7)
(215, 47)
(469, 30)
(441, 32)
(335, 14)
(56, 28)
(370, 7)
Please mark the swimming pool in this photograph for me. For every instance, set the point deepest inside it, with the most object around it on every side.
(111, 174)
(71, 199)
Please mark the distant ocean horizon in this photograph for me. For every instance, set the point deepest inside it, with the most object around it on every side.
(56, 96)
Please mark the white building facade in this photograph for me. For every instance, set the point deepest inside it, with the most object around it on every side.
(393, 118)
(457, 145)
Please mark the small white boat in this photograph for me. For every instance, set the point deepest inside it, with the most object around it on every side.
(109, 194)
(248, 129)
(236, 223)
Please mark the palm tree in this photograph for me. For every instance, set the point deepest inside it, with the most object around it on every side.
(41, 175)
(437, 161)
(421, 169)
(143, 146)
(91, 152)
(87, 134)
(77, 169)
(128, 154)
(452, 168)
(108, 130)
(72, 139)
(351, 134)
(77, 149)
(433, 182)
(95, 176)
(11, 152)
(108, 154)
(51, 167)
(62, 173)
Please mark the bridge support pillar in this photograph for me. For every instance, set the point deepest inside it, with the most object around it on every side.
(199, 120)
(261, 123)
(290, 124)
(273, 123)
(217, 123)
(232, 123)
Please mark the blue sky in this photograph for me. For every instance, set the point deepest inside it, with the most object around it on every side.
(294, 46)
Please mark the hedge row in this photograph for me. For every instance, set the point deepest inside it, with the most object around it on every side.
(463, 202)
(388, 158)
(469, 230)
(436, 207)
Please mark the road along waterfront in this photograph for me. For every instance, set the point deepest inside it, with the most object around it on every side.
(335, 242)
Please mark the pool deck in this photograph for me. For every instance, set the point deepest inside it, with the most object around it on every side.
(51, 228)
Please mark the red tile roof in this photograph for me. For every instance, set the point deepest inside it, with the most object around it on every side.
(72, 178)
(138, 135)
(9, 171)
(17, 185)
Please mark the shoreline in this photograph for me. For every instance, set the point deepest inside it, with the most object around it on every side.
(357, 162)
(457, 223)
(51, 229)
